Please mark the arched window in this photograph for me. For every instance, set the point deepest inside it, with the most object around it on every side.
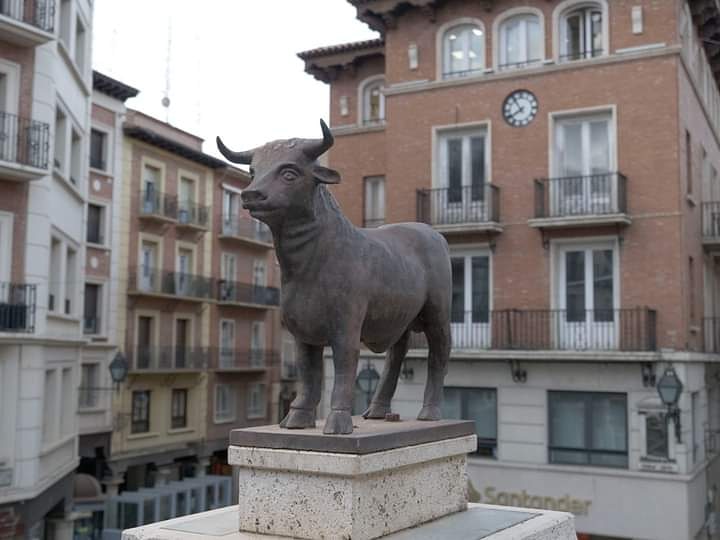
(463, 50)
(373, 101)
(520, 41)
(582, 32)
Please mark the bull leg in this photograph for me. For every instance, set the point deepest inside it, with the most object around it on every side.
(345, 359)
(380, 404)
(302, 409)
(438, 337)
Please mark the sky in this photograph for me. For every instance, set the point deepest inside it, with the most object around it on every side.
(232, 69)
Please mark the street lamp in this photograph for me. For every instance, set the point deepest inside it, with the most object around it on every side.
(367, 380)
(669, 388)
(118, 368)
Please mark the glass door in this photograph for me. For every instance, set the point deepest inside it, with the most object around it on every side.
(186, 196)
(151, 193)
(583, 183)
(228, 277)
(184, 272)
(182, 340)
(461, 198)
(227, 344)
(587, 316)
(148, 265)
(144, 342)
(470, 313)
(257, 341)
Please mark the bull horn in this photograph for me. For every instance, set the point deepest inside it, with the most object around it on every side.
(244, 158)
(315, 148)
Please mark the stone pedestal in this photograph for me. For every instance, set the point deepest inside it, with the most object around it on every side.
(382, 478)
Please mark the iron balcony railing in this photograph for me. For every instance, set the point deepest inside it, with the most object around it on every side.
(153, 281)
(159, 358)
(91, 325)
(633, 329)
(156, 204)
(582, 54)
(596, 194)
(520, 65)
(244, 293)
(38, 13)
(711, 220)
(711, 332)
(189, 213)
(463, 73)
(239, 359)
(89, 397)
(242, 226)
(24, 141)
(17, 307)
(462, 205)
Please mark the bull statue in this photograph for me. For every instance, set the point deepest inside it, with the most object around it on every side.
(343, 285)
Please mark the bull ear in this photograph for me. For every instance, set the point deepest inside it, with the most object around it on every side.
(325, 175)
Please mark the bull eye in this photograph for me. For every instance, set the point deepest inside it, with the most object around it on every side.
(288, 175)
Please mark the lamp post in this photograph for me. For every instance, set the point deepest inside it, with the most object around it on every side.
(118, 369)
(669, 388)
(367, 380)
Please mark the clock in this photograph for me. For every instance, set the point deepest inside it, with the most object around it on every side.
(520, 108)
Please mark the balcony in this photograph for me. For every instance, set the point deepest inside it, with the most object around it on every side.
(27, 22)
(246, 295)
(24, 147)
(578, 201)
(711, 224)
(631, 329)
(461, 209)
(17, 308)
(246, 229)
(156, 206)
(91, 325)
(152, 282)
(192, 216)
(89, 397)
(168, 358)
(234, 360)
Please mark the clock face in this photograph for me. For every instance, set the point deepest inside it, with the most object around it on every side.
(520, 108)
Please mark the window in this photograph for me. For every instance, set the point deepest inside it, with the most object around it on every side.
(60, 141)
(80, 46)
(463, 50)
(521, 41)
(374, 201)
(145, 340)
(93, 297)
(183, 278)
(98, 149)
(71, 275)
(55, 271)
(480, 405)
(257, 344)
(151, 201)
(588, 428)
(224, 403)
(50, 425)
(373, 101)
(67, 403)
(140, 416)
(75, 155)
(688, 162)
(470, 309)
(656, 436)
(231, 205)
(88, 394)
(581, 32)
(697, 429)
(178, 414)
(95, 224)
(186, 200)
(182, 343)
(65, 18)
(227, 343)
(149, 279)
(256, 401)
(259, 279)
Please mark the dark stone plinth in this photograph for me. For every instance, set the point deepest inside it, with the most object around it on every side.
(368, 436)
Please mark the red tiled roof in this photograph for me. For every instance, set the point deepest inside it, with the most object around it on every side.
(341, 48)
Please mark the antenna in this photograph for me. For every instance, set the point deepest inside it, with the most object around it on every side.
(166, 98)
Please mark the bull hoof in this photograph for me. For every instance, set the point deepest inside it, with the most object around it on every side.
(376, 411)
(430, 412)
(299, 419)
(338, 423)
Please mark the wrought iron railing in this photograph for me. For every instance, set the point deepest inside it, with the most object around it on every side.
(91, 325)
(582, 54)
(24, 141)
(459, 205)
(239, 359)
(520, 65)
(189, 213)
(168, 357)
(463, 73)
(242, 226)
(156, 204)
(17, 307)
(244, 293)
(633, 329)
(89, 397)
(711, 220)
(597, 194)
(38, 13)
(153, 281)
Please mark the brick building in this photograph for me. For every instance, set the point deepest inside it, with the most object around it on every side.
(568, 151)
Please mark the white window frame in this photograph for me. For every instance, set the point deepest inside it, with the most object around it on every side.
(107, 131)
(566, 7)
(440, 51)
(371, 214)
(259, 263)
(105, 221)
(467, 253)
(231, 323)
(232, 404)
(12, 71)
(261, 390)
(499, 34)
(102, 301)
(364, 89)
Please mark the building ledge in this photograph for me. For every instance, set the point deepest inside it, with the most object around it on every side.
(592, 220)
(358, 129)
(244, 240)
(463, 228)
(22, 33)
(163, 296)
(18, 172)
(246, 305)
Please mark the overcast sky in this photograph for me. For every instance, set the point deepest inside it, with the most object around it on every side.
(233, 67)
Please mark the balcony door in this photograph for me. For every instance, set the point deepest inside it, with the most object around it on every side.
(182, 342)
(462, 177)
(257, 343)
(227, 343)
(587, 316)
(228, 273)
(584, 160)
(151, 190)
(144, 342)
(148, 266)
(184, 272)
(231, 203)
(186, 200)
(470, 313)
